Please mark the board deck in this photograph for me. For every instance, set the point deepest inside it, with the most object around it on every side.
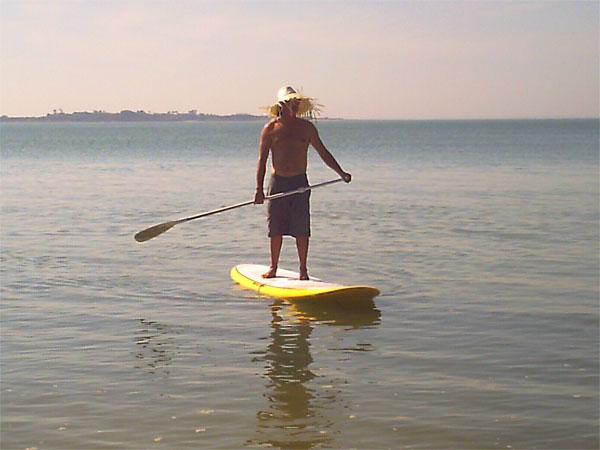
(287, 285)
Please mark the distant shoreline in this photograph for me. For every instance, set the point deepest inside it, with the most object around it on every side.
(131, 116)
(194, 116)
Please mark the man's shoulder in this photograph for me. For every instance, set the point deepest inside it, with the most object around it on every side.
(270, 125)
(309, 128)
(305, 124)
(275, 124)
(268, 128)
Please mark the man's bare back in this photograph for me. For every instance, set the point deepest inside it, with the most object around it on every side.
(289, 145)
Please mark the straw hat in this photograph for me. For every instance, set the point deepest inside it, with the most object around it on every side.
(307, 108)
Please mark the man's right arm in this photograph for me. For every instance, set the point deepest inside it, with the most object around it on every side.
(261, 166)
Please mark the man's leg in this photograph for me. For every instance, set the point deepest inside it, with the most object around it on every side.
(275, 243)
(302, 246)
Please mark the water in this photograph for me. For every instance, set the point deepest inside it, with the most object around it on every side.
(483, 238)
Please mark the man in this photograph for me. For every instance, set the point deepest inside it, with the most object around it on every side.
(287, 138)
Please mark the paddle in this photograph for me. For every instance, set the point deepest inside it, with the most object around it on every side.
(152, 232)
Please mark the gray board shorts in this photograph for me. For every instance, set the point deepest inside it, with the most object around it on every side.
(288, 216)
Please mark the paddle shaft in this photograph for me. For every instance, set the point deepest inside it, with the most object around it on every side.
(250, 202)
(161, 228)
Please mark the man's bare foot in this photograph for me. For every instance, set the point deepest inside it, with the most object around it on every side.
(271, 273)
(303, 274)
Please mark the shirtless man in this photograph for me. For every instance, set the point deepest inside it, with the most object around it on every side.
(287, 138)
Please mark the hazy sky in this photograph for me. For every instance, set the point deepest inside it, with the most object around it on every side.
(361, 59)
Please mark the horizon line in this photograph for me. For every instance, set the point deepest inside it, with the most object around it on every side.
(194, 113)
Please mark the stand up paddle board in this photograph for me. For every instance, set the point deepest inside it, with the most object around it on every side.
(287, 285)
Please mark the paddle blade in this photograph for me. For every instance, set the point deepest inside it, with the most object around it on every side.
(152, 232)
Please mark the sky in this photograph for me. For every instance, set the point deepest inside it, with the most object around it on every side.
(360, 59)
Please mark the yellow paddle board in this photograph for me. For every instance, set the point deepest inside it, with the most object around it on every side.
(288, 285)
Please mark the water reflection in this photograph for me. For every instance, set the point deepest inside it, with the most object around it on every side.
(295, 416)
(362, 313)
(154, 349)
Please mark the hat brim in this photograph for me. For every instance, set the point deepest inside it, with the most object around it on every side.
(307, 107)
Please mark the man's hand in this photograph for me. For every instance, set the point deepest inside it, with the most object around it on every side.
(259, 197)
(346, 177)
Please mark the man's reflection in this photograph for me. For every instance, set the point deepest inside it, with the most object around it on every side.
(294, 417)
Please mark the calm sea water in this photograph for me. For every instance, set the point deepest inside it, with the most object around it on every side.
(483, 238)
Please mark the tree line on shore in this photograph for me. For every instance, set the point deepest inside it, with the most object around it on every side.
(128, 116)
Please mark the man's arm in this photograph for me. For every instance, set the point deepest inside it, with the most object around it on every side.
(261, 166)
(326, 155)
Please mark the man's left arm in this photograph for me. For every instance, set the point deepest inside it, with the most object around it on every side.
(326, 155)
